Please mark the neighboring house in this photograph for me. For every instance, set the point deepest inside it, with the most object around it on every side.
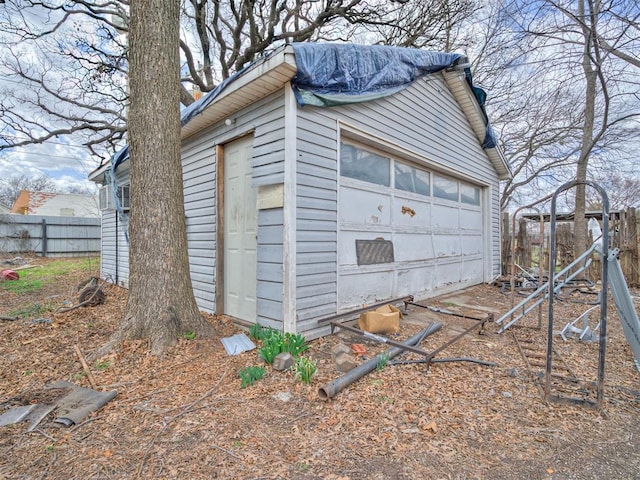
(296, 212)
(56, 204)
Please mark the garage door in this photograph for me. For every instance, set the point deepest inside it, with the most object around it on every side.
(404, 230)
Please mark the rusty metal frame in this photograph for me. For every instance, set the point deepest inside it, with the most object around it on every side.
(429, 356)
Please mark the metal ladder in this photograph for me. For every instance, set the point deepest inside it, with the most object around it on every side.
(542, 293)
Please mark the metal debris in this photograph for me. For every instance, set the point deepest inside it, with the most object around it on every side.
(237, 344)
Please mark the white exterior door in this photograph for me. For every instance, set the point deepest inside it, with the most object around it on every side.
(240, 231)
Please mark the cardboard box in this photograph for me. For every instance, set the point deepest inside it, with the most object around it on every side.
(385, 319)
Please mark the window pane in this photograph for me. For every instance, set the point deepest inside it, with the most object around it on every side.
(411, 179)
(363, 165)
(445, 188)
(469, 194)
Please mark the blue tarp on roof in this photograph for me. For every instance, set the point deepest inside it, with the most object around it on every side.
(334, 74)
(330, 74)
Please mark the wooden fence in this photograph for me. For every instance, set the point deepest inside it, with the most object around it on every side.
(49, 236)
(532, 249)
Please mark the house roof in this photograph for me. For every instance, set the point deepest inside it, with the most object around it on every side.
(56, 204)
(330, 74)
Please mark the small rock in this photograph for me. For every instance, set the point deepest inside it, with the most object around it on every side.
(283, 396)
(283, 361)
(338, 349)
(506, 395)
(46, 321)
(345, 362)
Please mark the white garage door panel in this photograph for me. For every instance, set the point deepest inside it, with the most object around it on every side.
(447, 274)
(366, 288)
(447, 245)
(471, 244)
(364, 207)
(417, 214)
(471, 268)
(445, 217)
(410, 247)
(470, 220)
(408, 278)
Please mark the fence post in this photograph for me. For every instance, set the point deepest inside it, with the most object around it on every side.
(506, 243)
(44, 237)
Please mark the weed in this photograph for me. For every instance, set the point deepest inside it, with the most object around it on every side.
(237, 444)
(275, 342)
(270, 351)
(101, 365)
(33, 310)
(79, 376)
(50, 448)
(383, 360)
(26, 373)
(255, 331)
(305, 369)
(250, 375)
(295, 344)
(190, 335)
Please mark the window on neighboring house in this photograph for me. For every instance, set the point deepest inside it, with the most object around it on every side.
(469, 194)
(445, 188)
(411, 179)
(364, 165)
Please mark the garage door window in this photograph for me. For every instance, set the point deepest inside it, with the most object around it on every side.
(411, 179)
(469, 194)
(445, 188)
(363, 165)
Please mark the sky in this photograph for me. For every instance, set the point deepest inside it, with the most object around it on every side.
(67, 166)
(64, 160)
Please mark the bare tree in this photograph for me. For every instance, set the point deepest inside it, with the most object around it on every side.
(11, 187)
(573, 33)
(72, 56)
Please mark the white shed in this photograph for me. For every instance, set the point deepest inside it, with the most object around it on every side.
(327, 177)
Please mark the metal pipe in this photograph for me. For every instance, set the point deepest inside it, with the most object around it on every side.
(331, 389)
(444, 360)
(379, 339)
(332, 318)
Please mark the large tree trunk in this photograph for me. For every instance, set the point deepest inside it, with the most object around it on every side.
(161, 304)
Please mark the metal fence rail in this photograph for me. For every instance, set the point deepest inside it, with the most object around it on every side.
(49, 236)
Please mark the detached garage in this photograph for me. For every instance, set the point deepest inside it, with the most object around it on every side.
(326, 177)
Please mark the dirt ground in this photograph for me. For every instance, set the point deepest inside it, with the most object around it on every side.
(185, 415)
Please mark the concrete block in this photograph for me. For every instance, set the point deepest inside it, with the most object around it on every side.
(345, 362)
(283, 361)
(338, 349)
